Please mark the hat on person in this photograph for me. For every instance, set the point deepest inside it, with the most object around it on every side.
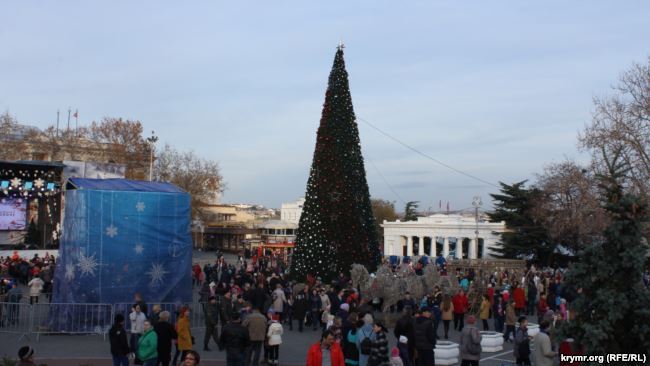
(25, 352)
(403, 339)
(379, 324)
(425, 309)
(471, 319)
(212, 284)
(119, 318)
(212, 297)
(394, 352)
(345, 306)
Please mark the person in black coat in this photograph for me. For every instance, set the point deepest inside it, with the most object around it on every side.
(235, 339)
(425, 338)
(379, 353)
(119, 345)
(166, 333)
(300, 307)
(259, 297)
(404, 327)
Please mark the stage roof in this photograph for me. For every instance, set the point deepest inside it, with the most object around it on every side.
(118, 184)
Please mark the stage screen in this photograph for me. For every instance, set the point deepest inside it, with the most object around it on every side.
(13, 214)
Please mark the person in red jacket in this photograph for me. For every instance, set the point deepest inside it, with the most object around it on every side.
(519, 295)
(326, 352)
(460, 308)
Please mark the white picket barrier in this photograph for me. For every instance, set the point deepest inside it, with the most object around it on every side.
(16, 318)
(69, 318)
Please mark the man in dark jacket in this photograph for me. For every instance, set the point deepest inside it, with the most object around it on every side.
(166, 333)
(211, 321)
(300, 306)
(404, 327)
(119, 345)
(235, 340)
(259, 298)
(425, 338)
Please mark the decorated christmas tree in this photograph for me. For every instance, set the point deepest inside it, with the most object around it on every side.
(337, 227)
(611, 313)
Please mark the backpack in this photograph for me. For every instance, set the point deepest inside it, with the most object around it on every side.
(366, 345)
(473, 348)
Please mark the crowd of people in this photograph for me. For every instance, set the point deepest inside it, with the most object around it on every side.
(36, 273)
(248, 304)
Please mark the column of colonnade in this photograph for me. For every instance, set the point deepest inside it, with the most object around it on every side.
(433, 250)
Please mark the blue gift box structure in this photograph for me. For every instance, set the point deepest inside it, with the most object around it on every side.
(121, 237)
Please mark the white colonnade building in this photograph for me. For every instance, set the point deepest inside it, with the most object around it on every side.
(449, 235)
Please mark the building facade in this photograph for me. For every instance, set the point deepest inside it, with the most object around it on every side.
(454, 236)
(291, 212)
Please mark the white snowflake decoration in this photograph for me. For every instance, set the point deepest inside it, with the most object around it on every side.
(140, 206)
(111, 231)
(15, 182)
(38, 183)
(156, 273)
(69, 271)
(87, 265)
(138, 248)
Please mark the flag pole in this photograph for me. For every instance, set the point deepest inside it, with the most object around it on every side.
(76, 121)
(69, 110)
(57, 122)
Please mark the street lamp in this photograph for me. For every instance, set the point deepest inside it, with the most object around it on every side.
(476, 202)
(151, 140)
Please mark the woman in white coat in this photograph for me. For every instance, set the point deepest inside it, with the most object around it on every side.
(274, 340)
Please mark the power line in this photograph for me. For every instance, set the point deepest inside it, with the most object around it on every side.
(385, 181)
(425, 155)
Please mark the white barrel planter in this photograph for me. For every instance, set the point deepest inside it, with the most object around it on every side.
(533, 329)
(446, 353)
(491, 341)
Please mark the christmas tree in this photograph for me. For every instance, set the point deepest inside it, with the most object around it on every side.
(337, 227)
(611, 312)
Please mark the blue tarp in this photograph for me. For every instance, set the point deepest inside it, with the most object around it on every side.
(121, 237)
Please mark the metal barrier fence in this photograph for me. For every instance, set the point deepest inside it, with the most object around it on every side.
(68, 318)
(15, 318)
(197, 314)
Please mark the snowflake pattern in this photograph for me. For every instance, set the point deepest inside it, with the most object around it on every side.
(140, 206)
(87, 265)
(38, 183)
(111, 231)
(15, 182)
(138, 248)
(156, 273)
(69, 271)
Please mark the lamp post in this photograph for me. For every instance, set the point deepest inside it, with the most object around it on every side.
(476, 202)
(152, 141)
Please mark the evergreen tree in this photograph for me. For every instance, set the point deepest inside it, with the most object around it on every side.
(337, 227)
(525, 236)
(411, 211)
(33, 234)
(612, 312)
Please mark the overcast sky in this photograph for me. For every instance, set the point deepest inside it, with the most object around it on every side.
(495, 89)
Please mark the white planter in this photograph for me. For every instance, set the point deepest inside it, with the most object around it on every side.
(491, 341)
(446, 353)
(533, 329)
